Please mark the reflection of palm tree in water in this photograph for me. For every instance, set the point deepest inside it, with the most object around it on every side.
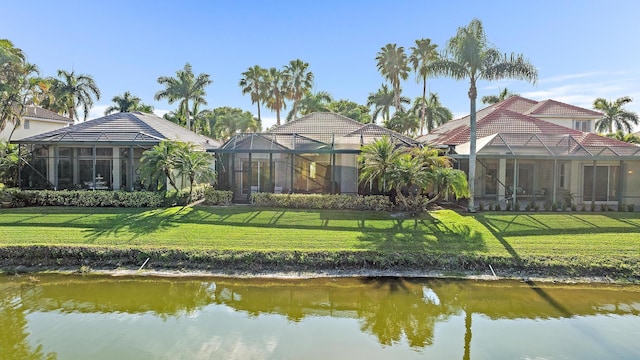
(390, 314)
(14, 343)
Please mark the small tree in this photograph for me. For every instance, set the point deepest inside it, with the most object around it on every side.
(158, 164)
(196, 165)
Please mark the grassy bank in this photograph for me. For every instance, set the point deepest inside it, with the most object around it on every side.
(250, 239)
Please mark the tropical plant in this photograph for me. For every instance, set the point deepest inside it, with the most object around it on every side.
(299, 81)
(620, 135)
(403, 122)
(18, 84)
(196, 165)
(494, 99)
(254, 83)
(313, 102)
(376, 160)
(469, 56)
(157, 164)
(614, 115)
(127, 103)
(72, 90)
(230, 121)
(393, 65)
(422, 55)
(9, 160)
(352, 110)
(435, 113)
(382, 101)
(277, 89)
(185, 87)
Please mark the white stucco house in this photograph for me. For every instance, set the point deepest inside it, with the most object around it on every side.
(36, 120)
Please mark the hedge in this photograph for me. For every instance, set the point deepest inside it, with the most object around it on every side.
(323, 201)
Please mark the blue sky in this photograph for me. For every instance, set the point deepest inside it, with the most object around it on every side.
(582, 49)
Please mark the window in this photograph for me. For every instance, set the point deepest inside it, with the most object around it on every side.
(606, 183)
(582, 125)
(562, 175)
(26, 124)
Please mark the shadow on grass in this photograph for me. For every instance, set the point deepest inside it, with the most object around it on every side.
(424, 233)
(528, 225)
(132, 226)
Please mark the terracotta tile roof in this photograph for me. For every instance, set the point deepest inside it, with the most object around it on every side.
(553, 108)
(498, 121)
(583, 144)
(515, 103)
(36, 112)
(123, 128)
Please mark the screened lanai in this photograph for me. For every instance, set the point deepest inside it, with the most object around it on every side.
(584, 168)
(99, 154)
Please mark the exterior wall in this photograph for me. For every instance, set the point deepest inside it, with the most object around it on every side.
(347, 173)
(36, 127)
(569, 122)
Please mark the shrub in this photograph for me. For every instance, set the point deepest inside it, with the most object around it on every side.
(630, 207)
(583, 208)
(536, 207)
(517, 206)
(497, 207)
(507, 206)
(323, 201)
(85, 198)
(480, 207)
(554, 207)
(593, 207)
(604, 207)
(548, 205)
(217, 197)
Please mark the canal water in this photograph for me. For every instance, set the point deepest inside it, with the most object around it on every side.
(100, 317)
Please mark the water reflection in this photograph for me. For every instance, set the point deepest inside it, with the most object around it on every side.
(393, 310)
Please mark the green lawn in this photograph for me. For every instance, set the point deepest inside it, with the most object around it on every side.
(252, 229)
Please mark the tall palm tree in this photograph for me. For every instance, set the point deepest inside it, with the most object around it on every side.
(393, 65)
(422, 55)
(470, 57)
(185, 87)
(276, 92)
(230, 121)
(15, 83)
(127, 103)
(382, 101)
(300, 81)
(253, 82)
(435, 113)
(313, 102)
(73, 90)
(615, 115)
(494, 99)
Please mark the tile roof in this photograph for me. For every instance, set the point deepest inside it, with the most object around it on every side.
(498, 121)
(583, 144)
(553, 108)
(36, 112)
(124, 128)
(321, 130)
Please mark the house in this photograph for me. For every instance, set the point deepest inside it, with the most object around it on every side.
(36, 120)
(102, 153)
(539, 151)
(316, 153)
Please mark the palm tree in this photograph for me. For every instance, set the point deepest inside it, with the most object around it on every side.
(403, 122)
(276, 92)
(14, 79)
(300, 81)
(393, 65)
(127, 103)
(159, 163)
(9, 160)
(494, 99)
(422, 55)
(253, 82)
(313, 102)
(471, 57)
(620, 135)
(196, 165)
(435, 113)
(377, 158)
(185, 87)
(73, 90)
(382, 101)
(615, 115)
(230, 121)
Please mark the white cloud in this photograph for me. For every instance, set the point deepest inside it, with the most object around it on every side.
(566, 77)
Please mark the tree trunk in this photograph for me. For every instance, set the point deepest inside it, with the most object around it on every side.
(259, 118)
(424, 104)
(473, 94)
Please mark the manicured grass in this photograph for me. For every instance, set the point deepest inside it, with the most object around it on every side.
(243, 228)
